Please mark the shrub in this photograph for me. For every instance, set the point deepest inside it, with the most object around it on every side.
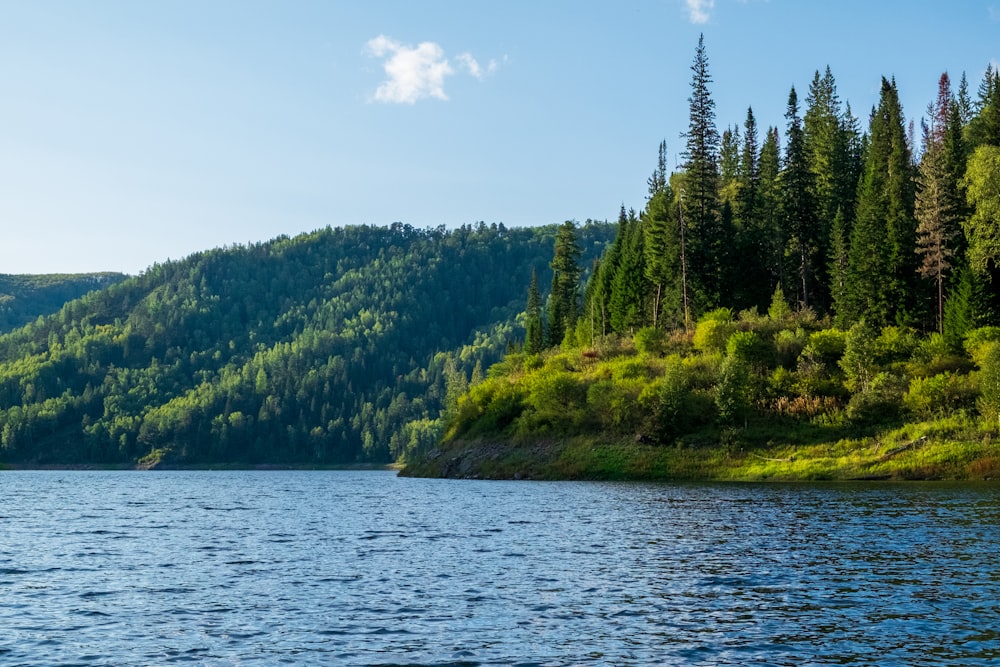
(828, 344)
(858, 361)
(895, 344)
(649, 340)
(977, 341)
(989, 383)
(788, 345)
(939, 395)
(750, 348)
(672, 399)
(713, 330)
(734, 393)
(558, 399)
(880, 402)
(702, 370)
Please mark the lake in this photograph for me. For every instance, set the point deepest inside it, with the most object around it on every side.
(365, 568)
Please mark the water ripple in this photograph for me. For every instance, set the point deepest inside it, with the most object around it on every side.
(363, 568)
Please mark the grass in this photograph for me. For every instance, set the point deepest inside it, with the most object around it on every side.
(952, 448)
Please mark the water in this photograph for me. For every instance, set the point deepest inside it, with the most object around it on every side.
(363, 568)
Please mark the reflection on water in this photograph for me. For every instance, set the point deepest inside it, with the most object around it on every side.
(363, 568)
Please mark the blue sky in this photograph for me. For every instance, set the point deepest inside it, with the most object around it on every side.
(133, 132)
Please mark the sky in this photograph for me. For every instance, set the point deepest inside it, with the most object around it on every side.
(136, 132)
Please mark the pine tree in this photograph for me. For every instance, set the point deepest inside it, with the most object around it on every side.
(770, 217)
(534, 329)
(700, 198)
(565, 282)
(935, 212)
(984, 128)
(837, 264)
(798, 208)
(750, 231)
(629, 288)
(882, 262)
(937, 207)
(661, 244)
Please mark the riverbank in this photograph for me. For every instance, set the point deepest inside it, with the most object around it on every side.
(899, 455)
(216, 466)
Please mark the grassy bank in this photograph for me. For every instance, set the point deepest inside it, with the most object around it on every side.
(942, 450)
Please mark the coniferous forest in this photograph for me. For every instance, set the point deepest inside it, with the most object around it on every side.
(832, 282)
(824, 281)
(338, 346)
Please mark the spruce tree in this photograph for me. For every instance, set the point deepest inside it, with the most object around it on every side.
(661, 243)
(704, 235)
(629, 288)
(770, 216)
(565, 282)
(798, 208)
(882, 262)
(534, 330)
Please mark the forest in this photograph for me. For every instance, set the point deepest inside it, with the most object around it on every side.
(810, 284)
(337, 346)
(24, 297)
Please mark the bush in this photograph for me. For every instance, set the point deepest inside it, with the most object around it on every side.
(734, 393)
(895, 344)
(828, 344)
(713, 332)
(940, 395)
(881, 402)
(750, 348)
(788, 345)
(989, 383)
(858, 362)
(671, 416)
(649, 340)
(977, 341)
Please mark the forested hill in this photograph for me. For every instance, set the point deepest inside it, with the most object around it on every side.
(24, 297)
(334, 346)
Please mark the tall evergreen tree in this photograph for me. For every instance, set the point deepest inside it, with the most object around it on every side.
(882, 262)
(798, 207)
(534, 338)
(565, 283)
(629, 288)
(662, 243)
(984, 128)
(751, 232)
(770, 216)
(700, 198)
(936, 215)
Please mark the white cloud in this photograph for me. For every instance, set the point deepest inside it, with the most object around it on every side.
(414, 73)
(474, 68)
(418, 72)
(698, 10)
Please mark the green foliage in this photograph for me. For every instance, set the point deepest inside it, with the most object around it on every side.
(989, 384)
(788, 345)
(23, 298)
(940, 395)
(978, 342)
(734, 394)
(895, 344)
(750, 348)
(829, 344)
(879, 402)
(650, 340)
(858, 362)
(713, 330)
(335, 346)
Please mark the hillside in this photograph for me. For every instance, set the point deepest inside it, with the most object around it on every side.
(24, 297)
(783, 396)
(330, 347)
